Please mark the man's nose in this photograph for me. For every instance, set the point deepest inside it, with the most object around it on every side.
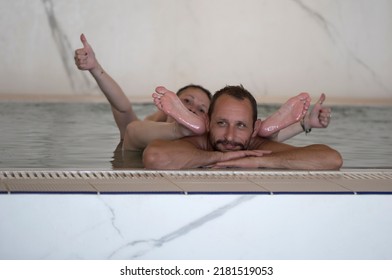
(229, 133)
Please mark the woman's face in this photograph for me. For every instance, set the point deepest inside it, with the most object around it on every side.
(195, 100)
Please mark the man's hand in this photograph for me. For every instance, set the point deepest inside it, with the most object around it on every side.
(243, 153)
(243, 158)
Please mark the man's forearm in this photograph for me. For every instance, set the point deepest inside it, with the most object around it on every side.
(313, 157)
(177, 155)
(283, 156)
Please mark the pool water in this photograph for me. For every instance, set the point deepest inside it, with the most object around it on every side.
(84, 136)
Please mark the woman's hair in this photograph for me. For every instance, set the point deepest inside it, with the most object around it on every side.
(206, 91)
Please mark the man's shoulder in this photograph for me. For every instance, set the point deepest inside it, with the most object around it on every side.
(259, 143)
(199, 141)
(256, 143)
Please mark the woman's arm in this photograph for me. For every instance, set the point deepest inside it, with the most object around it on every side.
(319, 117)
(121, 106)
(85, 60)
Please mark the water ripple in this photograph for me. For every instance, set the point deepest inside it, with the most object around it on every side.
(74, 135)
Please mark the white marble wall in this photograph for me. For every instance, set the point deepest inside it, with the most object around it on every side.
(275, 48)
(195, 227)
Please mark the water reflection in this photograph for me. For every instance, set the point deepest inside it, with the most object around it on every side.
(126, 159)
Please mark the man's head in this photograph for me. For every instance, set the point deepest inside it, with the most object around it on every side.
(232, 115)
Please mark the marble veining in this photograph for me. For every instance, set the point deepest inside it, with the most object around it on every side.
(138, 248)
(335, 37)
(113, 217)
(319, 19)
(78, 79)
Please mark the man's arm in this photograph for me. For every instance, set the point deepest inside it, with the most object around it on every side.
(185, 154)
(283, 156)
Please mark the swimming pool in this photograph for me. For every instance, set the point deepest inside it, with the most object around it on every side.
(62, 213)
(84, 136)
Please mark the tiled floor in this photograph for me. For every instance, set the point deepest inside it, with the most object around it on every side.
(362, 181)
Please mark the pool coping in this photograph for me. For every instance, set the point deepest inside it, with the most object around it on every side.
(196, 182)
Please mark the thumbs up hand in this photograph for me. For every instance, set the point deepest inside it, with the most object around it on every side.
(320, 116)
(85, 57)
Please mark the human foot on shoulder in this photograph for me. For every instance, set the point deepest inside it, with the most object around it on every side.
(290, 112)
(168, 102)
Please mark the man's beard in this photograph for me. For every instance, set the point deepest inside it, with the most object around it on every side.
(225, 142)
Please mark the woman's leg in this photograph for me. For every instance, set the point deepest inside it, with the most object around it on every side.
(140, 133)
(291, 112)
(184, 123)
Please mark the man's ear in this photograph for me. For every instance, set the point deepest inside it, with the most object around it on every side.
(256, 128)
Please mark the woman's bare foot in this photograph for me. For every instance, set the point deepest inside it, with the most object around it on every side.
(168, 102)
(292, 111)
